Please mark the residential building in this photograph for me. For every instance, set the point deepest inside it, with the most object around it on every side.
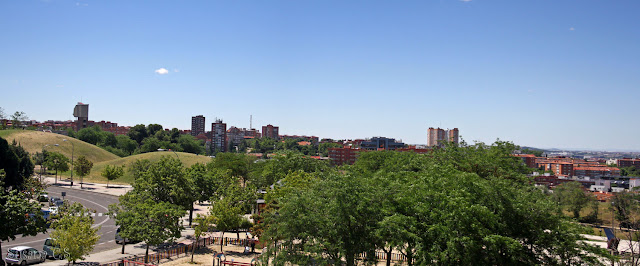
(197, 125)
(344, 155)
(528, 159)
(626, 162)
(218, 136)
(270, 131)
(437, 136)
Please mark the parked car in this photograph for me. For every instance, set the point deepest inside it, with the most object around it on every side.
(24, 255)
(52, 251)
(53, 199)
(53, 210)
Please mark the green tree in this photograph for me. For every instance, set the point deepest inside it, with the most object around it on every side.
(190, 144)
(17, 164)
(204, 223)
(15, 218)
(91, 135)
(138, 133)
(17, 118)
(142, 218)
(138, 167)
(152, 129)
(82, 167)
(58, 162)
(74, 233)
(126, 144)
(112, 172)
(225, 216)
(572, 196)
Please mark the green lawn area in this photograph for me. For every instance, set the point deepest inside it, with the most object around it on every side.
(95, 176)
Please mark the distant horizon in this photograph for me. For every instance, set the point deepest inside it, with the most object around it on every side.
(536, 73)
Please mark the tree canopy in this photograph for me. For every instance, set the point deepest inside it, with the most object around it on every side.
(462, 205)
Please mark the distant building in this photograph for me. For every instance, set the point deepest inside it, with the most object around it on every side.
(313, 139)
(81, 111)
(381, 143)
(197, 125)
(269, 131)
(528, 159)
(236, 135)
(437, 136)
(626, 162)
(218, 136)
(344, 155)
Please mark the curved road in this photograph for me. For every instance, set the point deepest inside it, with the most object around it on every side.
(95, 201)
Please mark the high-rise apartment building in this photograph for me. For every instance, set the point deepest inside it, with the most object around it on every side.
(437, 136)
(81, 111)
(218, 136)
(197, 125)
(269, 131)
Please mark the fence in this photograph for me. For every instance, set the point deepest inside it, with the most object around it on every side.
(177, 251)
(138, 260)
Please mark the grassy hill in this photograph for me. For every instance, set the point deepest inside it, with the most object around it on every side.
(33, 141)
(187, 159)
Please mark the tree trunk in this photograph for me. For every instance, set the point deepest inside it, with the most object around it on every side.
(146, 254)
(124, 242)
(350, 259)
(389, 256)
(193, 250)
(221, 240)
(191, 214)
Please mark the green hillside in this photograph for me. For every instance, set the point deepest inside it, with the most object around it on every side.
(33, 141)
(187, 159)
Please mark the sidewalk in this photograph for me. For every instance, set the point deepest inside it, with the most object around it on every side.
(114, 189)
(130, 249)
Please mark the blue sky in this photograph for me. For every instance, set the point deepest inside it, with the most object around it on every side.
(562, 74)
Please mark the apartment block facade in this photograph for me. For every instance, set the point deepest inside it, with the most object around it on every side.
(197, 125)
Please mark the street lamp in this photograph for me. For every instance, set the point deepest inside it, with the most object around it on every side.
(170, 150)
(72, 149)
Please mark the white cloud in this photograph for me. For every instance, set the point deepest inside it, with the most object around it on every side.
(176, 70)
(466, 1)
(162, 71)
(572, 29)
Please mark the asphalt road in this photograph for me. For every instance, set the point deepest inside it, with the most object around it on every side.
(95, 201)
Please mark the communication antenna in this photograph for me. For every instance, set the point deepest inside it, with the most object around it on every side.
(250, 121)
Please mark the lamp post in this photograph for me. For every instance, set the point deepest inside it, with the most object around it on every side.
(72, 149)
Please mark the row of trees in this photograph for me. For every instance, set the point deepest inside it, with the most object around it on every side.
(165, 190)
(16, 119)
(469, 205)
(269, 145)
(140, 139)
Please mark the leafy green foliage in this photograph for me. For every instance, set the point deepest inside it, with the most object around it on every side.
(16, 163)
(142, 218)
(112, 172)
(73, 232)
(19, 215)
(464, 205)
(572, 196)
(57, 161)
(225, 215)
(82, 166)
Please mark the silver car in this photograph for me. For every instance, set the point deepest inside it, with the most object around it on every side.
(24, 255)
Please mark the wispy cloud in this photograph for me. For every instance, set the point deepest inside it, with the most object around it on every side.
(466, 1)
(59, 86)
(572, 29)
(176, 70)
(162, 71)
(81, 4)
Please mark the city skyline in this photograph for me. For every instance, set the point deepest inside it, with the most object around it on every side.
(544, 74)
